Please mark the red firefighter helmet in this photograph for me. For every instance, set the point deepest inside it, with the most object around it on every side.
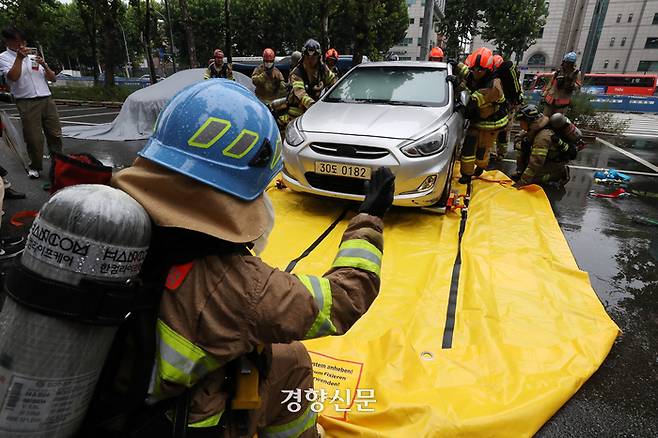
(268, 55)
(331, 54)
(498, 61)
(482, 58)
(436, 54)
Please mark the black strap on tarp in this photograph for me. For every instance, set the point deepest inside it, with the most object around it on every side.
(449, 328)
(319, 240)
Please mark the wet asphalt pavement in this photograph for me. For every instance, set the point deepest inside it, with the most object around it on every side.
(608, 237)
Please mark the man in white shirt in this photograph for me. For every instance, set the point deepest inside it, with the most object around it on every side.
(26, 77)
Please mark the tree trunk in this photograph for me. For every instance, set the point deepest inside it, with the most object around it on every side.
(147, 42)
(88, 12)
(110, 9)
(227, 29)
(94, 50)
(325, 7)
(189, 36)
(361, 32)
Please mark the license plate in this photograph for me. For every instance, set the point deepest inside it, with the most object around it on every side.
(348, 170)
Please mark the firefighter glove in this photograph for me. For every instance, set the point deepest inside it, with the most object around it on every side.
(379, 193)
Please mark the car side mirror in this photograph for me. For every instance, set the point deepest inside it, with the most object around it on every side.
(464, 98)
(452, 79)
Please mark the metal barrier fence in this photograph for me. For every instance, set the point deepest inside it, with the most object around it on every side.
(613, 103)
(87, 81)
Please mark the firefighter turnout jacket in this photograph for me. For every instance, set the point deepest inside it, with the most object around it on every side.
(307, 87)
(559, 91)
(487, 109)
(225, 71)
(538, 155)
(270, 84)
(219, 308)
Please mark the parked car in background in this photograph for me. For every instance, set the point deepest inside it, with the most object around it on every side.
(148, 78)
(402, 115)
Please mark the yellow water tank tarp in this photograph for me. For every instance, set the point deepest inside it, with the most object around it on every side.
(529, 329)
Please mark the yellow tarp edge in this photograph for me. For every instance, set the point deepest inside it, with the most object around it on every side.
(529, 328)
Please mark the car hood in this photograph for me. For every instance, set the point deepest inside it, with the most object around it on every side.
(399, 122)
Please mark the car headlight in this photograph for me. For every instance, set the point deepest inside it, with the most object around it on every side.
(429, 145)
(294, 136)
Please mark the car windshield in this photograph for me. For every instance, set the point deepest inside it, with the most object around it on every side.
(393, 86)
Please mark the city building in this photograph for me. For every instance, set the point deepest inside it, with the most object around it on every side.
(609, 36)
(619, 36)
(557, 37)
(410, 47)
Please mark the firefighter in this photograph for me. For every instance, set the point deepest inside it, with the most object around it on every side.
(218, 68)
(502, 139)
(308, 80)
(436, 54)
(215, 149)
(331, 59)
(486, 110)
(566, 81)
(538, 148)
(268, 79)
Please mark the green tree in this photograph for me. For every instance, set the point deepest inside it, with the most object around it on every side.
(189, 34)
(514, 25)
(460, 24)
(368, 27)
(109, 11)
(88, 10)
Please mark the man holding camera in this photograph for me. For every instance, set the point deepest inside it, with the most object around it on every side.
(27, 74)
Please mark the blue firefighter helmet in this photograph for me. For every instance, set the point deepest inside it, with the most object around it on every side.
(220, 134)
(570, 57)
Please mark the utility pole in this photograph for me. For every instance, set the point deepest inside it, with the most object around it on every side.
(126, 46)
(428, 26)
(171, 36)
(227, 26)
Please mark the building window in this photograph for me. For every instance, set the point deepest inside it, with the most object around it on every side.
(410, 2)
(616, 64)
(541, 33)
(652, 43)
(420, 41)
(406, 41)
(547, 4)
(630, 18)
(655, 18)
(623, 42)
(647, 66)
(612, 42)
(537, 59)
(405, 58)
(619, 18)
(420, 21)
(605, 64)
(411, 21)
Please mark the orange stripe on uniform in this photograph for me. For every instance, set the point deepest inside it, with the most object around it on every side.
(177, 274)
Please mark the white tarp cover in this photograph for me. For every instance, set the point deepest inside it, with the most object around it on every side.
(140, 111)
(12, 137)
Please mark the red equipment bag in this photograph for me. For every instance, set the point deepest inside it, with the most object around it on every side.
(72, 169)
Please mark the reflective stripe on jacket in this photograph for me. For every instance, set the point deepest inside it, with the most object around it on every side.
(227, 305)
(491, 105)
(306, 88)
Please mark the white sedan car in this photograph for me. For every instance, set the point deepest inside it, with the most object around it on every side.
(402, 115)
